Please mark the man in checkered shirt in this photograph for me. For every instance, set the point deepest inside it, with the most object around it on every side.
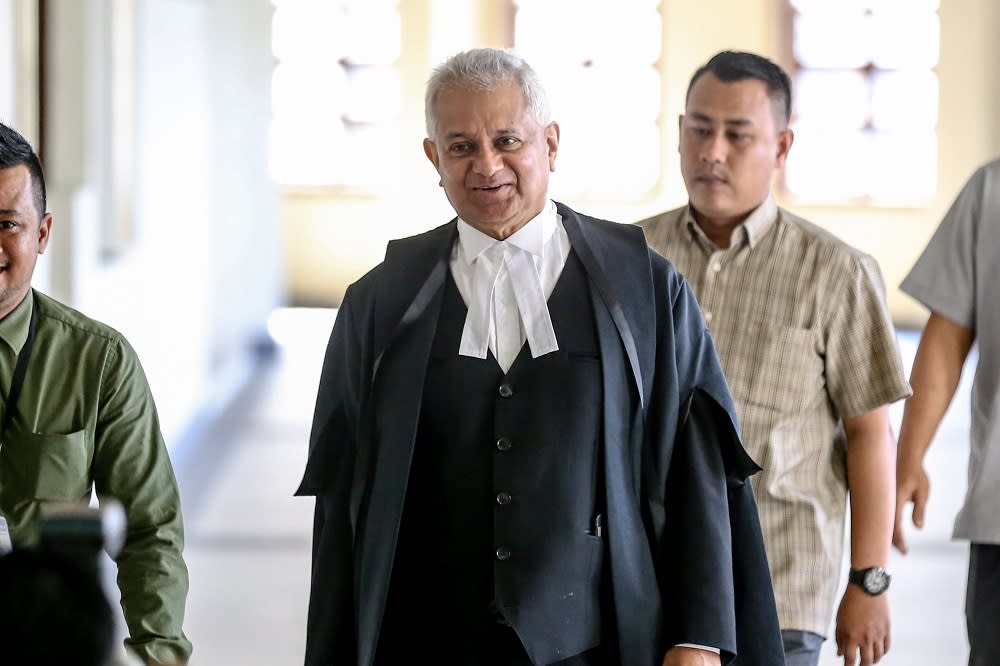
(807, 346)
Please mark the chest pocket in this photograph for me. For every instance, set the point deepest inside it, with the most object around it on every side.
(789, 375)
(48, 467)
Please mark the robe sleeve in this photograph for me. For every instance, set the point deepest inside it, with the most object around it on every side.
(333, 444)
(711, 561)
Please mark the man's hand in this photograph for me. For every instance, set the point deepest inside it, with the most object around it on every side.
(912, 485)
(688, 656)
(862, 624)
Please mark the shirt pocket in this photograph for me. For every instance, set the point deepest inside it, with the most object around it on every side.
(50, 467)
(789, 375)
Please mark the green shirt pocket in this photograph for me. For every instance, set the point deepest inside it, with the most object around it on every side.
(49, 467)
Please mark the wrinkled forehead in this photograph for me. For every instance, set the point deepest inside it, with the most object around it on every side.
(467, 108)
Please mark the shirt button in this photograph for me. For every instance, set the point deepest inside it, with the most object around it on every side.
(504, 444)
(708, 316)
(717, 266)
(503, 553)
(504, 498)
(506, 391)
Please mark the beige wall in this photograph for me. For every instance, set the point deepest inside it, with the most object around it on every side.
(331, 240)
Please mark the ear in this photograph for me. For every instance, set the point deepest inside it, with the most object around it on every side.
(785, 139)
(680, 130)
(552, 141)
(431, 151)
(44, 227)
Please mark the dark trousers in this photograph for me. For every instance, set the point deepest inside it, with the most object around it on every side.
(801, 647)
(497, 645)
(982, 605)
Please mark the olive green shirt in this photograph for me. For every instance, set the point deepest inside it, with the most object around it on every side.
(86, 421)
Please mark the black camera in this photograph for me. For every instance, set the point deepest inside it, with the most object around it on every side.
(54, 605)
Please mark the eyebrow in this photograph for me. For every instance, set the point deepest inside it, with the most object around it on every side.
(499, 132)
(9, 211)
(734, 122)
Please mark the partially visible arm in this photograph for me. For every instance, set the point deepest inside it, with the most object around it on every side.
(863, 620)
(691, 656)
(937, 369)
(330, 622)
(131, 464)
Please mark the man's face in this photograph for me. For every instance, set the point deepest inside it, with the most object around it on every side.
(22, 236)
(493, 157)
(730, 145)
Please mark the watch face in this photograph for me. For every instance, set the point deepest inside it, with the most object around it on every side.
(876, 580)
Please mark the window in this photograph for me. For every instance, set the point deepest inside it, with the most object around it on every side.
(335, 92)
(866, 101)
(606, 93)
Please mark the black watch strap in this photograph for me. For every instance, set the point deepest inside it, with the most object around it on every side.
(873, 580)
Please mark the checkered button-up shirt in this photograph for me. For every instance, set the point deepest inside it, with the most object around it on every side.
(804, 336)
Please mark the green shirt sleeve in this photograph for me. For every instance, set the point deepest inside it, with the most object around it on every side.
(131, 464)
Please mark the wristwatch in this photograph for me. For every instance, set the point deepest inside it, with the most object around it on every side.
(873, 580)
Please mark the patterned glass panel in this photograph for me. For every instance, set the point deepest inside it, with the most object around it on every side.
(866, 101)
(594, 162)
(335, 91)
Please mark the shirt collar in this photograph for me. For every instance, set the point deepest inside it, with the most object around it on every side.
(531, 237)
(752, 229)
(14, 327)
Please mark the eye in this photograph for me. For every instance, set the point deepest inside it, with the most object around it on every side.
(8, 225)
(739, 137)
(460, 148)
(701, 131)
(508, 142)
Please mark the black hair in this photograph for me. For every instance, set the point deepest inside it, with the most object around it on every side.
(15, 151)
(53, 611)
(730, 66)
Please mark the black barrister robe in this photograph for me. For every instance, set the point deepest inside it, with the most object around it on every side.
(687, 559)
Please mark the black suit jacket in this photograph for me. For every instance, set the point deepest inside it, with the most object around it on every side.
(686, 555)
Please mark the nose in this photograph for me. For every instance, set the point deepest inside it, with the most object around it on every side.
(713, 149)
(487, 161)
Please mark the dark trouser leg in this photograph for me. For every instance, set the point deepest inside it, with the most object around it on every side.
(506, 650)
(982, 605)
(801, 647)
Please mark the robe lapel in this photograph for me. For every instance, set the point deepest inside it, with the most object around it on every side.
(626, 287)
(622, 296)
(408, 303)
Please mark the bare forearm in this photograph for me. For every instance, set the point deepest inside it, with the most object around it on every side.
(937, 369)
(871, 454)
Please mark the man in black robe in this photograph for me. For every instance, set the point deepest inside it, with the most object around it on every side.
(524, 450)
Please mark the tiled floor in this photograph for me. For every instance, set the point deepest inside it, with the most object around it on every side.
(248, 537)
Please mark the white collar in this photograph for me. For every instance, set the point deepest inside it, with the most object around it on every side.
(505, 285)
(531, 237)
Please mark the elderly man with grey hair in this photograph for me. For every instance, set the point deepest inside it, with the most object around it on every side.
(523, 449)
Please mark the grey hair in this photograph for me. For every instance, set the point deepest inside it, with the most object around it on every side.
(482, 70)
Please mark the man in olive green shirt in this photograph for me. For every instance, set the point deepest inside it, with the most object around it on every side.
(81, 418)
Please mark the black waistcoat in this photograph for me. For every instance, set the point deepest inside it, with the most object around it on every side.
(503, 496)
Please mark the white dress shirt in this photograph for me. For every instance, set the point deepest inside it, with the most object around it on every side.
(506, 285)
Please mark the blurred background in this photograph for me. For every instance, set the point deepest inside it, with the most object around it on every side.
(220, 170)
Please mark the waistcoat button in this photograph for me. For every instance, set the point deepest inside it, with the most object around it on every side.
(504, 498)
(504, 444)
(503, 553)
(506, 391)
